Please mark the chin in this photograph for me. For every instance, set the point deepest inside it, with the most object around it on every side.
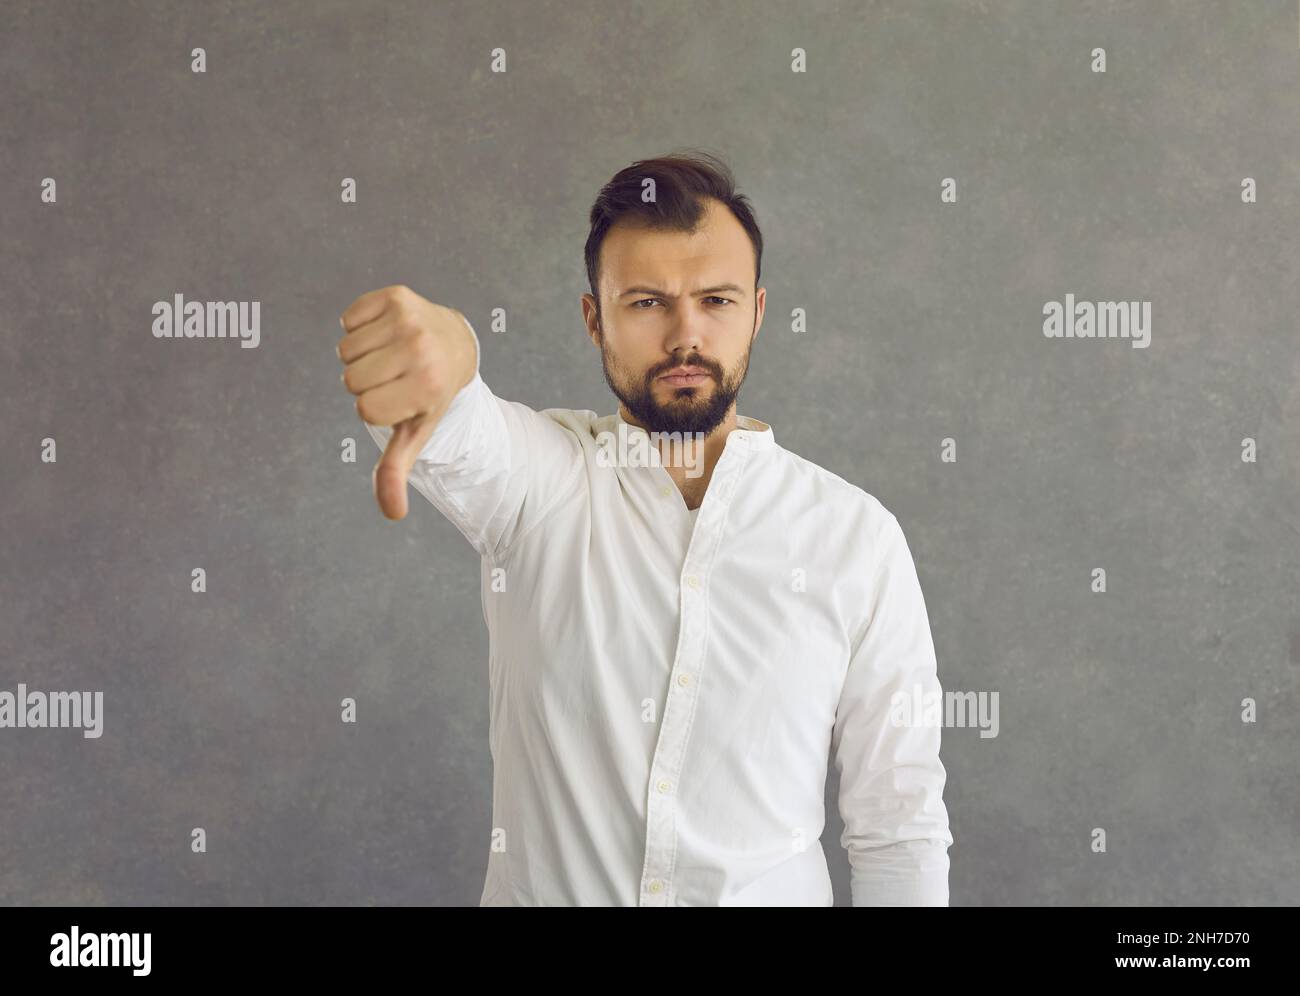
(694, 392)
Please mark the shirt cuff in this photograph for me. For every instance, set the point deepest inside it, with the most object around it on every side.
(907, 873)
(455, 426)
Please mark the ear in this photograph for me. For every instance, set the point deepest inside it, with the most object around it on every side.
(589, 319)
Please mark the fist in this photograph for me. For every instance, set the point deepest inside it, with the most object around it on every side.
(405, 358)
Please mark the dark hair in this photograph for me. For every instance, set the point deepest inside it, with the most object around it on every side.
(683, 179)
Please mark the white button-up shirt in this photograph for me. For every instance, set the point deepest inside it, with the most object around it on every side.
(666, 690)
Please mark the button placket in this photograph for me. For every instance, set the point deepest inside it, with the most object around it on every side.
(665, 766)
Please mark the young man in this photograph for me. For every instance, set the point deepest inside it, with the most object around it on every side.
(678, 645)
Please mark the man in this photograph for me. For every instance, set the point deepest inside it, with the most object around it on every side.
(678, 647)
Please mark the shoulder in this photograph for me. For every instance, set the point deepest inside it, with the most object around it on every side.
(569, 428)
(580, 421)
(860, 511)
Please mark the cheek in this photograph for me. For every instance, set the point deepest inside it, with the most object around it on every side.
(631, 363)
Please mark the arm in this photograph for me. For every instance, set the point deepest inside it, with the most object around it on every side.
(495, 468)
(891, 779)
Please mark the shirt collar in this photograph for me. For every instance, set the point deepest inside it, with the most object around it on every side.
(755, 434)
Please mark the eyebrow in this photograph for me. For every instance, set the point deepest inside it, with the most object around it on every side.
(733, 288)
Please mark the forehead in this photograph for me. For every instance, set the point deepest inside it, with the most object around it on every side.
(718, 248)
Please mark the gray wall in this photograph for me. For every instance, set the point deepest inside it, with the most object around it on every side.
(1120, 710)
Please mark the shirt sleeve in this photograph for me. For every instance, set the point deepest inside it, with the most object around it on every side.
(495, 468)
(891, 779)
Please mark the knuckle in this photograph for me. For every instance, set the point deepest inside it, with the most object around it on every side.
(407, 326)
(431, 379)
(419, 350)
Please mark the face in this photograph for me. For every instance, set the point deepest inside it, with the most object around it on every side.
(671, 301)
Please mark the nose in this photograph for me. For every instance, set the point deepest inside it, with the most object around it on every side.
(684, 339)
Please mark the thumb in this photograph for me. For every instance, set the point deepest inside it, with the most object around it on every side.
(394, 467)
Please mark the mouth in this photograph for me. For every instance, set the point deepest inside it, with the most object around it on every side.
(685, 377)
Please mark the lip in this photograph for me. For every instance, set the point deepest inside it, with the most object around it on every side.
(684, 380)
(685, 375)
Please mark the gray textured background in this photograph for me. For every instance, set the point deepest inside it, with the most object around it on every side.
(1119, 710)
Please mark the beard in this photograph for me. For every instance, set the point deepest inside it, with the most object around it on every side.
(688, 409)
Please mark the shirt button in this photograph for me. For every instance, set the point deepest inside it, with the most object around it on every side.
(664, 786)
(693, 581)
(683, 679)
(666, 490)
(656, 886)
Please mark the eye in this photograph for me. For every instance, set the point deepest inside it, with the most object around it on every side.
(637, 304)
(724, 300)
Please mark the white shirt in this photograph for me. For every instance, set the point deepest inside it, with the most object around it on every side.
(667, 689)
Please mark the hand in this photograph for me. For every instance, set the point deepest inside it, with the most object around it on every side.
(405, 358)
